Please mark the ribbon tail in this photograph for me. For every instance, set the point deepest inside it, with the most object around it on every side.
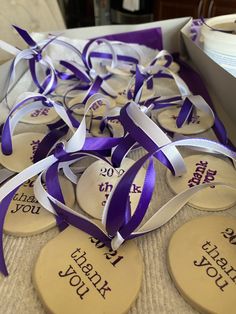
(25, 35)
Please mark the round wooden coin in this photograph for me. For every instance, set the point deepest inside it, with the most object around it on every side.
(201, 261)
(75, 272)
(117, 127)
(26, 216)
(206, 169)
(97, 109)
(95, 129)
(122, 97)
(117, 71)
(199, 123)
(97, 182)
(41, 116)
(24, 146)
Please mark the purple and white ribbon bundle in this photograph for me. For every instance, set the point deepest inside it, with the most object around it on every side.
(92, 75)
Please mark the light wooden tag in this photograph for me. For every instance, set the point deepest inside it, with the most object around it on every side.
(97, 182)
(206, 169)
(122, 95)
(118, 71)
(114, 124)
(41, 116)
(95, 130)
(97, 109)
(200, 123)
(117, 127)
(202, 260)
(63, 87)
(24, 146)
(25, 215)
(76, 273)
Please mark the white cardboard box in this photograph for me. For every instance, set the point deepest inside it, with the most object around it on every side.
(220, 83)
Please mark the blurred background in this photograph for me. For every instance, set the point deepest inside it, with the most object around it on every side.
(79, 13)
(56, 15)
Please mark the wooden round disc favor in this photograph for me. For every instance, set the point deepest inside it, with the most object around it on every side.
(41, 116)
(201, 261)
(95, 130)
(206, 169)
(76, 273)
(97, 109)
(24, 146)
(117, 128)
(97, 182)
(200, 123)
(122, 96)
(25, 215)
(114, 124)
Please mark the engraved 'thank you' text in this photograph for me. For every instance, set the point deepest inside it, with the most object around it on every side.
(85, 269)
(203, 174)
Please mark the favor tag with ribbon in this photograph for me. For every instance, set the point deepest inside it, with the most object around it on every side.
(41, 116)
(75, 272)
(97, 182)
(24, 147)
(202, 169)
(192, 116)
(201, 260)
(122, 97)
(98, 108)
(199, 122)
(26, 216)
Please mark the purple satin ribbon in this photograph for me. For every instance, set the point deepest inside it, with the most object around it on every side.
(106, 55)
(48, 142)
(122, 149)
(76, 71)
(54, 187)
(6, 133)
(115, 220)
(186, 113)
(36, 57)
(25, 35)
(197, 87)
(151, 37)
(195, 30)
(82, 224)
(142, 138)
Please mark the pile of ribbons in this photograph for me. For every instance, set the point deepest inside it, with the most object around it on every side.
(91, 76)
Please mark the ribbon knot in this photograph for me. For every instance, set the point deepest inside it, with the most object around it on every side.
(59, 151)
(47, 102)
(117, 241)
(37, 55)
(92, 73)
